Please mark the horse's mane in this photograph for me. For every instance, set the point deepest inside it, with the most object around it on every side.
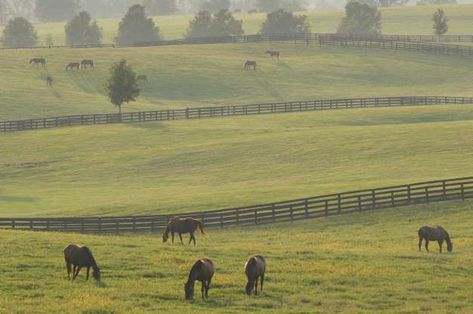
(89, 253)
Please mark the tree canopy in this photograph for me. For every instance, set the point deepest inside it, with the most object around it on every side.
(135, 26)
(360, 19)
(19, 32)
(223, 23)
(283, 22)
(440, 22)
(82, 30)
(122, 85)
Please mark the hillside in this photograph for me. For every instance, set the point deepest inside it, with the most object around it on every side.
(358, 263)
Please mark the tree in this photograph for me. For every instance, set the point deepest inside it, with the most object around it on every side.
(56, 10)
(214, 6)
(160, 7)
(122, 85)
(136, 27)
(223, 23)
(283, 22)
(360, 19)
(440, 23)
(81, 29)
(19, 33)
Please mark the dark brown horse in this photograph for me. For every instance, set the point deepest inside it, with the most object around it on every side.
(255, 268)
(79, 257)
(273, 54)
(250, 64)
(183, 225)
(38, 61)
(49, 80)
(438, 234)
(87, 63)
(203, 271)
(73, 65)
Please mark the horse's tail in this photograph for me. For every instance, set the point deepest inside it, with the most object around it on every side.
(201, 226)
(420, 233)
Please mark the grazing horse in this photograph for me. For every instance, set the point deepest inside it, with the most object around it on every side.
(49, 80)
(73, 65)
(183, 225)
(438, 234)
(203, 271)
(38, 61)
(142, 78)
(87, 63)
(249, 64)
(273, 54)
(255, 268)
(79, 257)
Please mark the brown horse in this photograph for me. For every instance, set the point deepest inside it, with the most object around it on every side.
(183, 225)
(49, 80)
(38, 61)
(273, 54)
(203, 271)
(87, 63)
(250, 64)
(79, 257)
(73, 65)
(255, 268)
(438, 234)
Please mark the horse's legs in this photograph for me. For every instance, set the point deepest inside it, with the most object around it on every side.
(256, 286)
(440, 245)
(207, 288)
(172, 235)
(262, 280)
(190, 238)
(68, 267)
(427, 245)
(88, 270)
(74, 272)
(180, 237)
(203, 289)
(420, 244)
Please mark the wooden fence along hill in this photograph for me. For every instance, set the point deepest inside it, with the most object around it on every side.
(223, 111)
(286, 211)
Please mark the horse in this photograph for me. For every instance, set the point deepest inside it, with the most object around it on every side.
(49, 80)
(438, 234)
(255, 268)
(142, 78)
(36, 61)
(87, 63)
(72, 66)
(80, 257)
(183, 225)
(249, 64)
(273, 54)
(203, 271)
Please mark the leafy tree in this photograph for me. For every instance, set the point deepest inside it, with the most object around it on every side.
(160, 7)
(48, 41)
(214, 6)
(283, 22)
(440, 22)
(360, 19)
(122, 85)
(56, 10)
(223, 23)
(19, 33)
(135, 26)
(81, 29)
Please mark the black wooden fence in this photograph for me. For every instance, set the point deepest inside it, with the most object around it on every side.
(287, 211)
(223, 111)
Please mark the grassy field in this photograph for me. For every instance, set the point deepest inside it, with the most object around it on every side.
(185, 76)
(398, 20)
(184, 166)
(354, 264)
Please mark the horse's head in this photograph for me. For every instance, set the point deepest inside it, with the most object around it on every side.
(165, 236)
(96, 274)
(449, 246)
(189, 291)
(249, 287)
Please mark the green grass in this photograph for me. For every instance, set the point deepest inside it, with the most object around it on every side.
(185, 76)
(398, 20)
(363, 263)
(192, 165)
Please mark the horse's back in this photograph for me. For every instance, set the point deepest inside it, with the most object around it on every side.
(205, 267)
(71, 251)
(258, 263)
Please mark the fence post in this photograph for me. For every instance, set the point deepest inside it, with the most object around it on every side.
(326, 208)
(152, 226)
(221, 221)
(273, 212)
(237, 217)
(373, 198)
(13, 223)
(462, 191)
(291, 211)
(100, 225)
(47, 225)
(256, 216)
(31, 224)
(306, 208)
(359, 203)
(339, 203)
(444, 190)
(134, 224)
(409, 194)
(427, 194)
(117, 227)
(82, 226)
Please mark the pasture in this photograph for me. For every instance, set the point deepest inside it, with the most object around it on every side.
(357, 263)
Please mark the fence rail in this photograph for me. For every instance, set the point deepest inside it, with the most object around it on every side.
(286, 211)
(223, 111)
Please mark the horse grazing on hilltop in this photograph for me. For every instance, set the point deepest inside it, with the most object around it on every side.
(79, 257)
(203, 271)
(38, 61)
(87, 63)
(183, 225)
(250, 64)
(73, 65)
(255, 268)
(273, 54)
(438, 234)
(49, 80)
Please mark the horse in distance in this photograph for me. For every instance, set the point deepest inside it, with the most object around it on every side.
(73, 65)
(250, 64)
(38, 61)
(203, 271)
(181, 226)
(438, 234)
(255, 269)
(78, 257)
(84, 64)
(273, 54)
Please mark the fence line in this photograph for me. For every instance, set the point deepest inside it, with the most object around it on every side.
(286, 211)
(223, 111)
